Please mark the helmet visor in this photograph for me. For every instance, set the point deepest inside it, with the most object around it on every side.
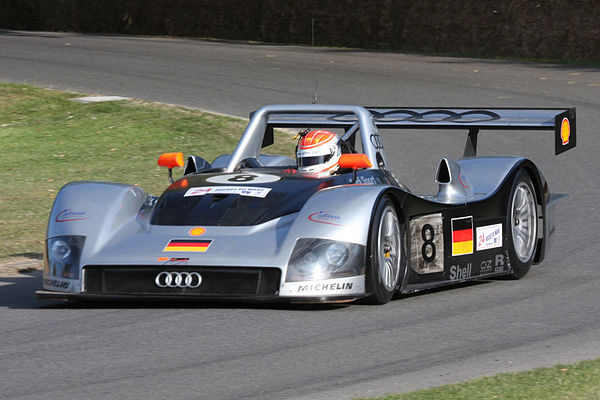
(310, 161)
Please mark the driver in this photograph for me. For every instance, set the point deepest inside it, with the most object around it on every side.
(318, 152)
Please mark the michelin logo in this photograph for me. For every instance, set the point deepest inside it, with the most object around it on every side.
(325, 286)
(329, 287)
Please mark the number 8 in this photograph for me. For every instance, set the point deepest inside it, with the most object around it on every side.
(428, 248)
(242, 178)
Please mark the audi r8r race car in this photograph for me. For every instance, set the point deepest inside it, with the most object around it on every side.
(333, 225)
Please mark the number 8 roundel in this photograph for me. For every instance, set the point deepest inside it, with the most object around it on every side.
(243, 178)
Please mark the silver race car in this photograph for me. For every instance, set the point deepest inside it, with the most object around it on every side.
(332, 225)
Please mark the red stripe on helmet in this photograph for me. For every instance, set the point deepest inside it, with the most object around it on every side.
(315, 138)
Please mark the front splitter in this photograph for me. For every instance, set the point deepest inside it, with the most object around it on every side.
(99, 297)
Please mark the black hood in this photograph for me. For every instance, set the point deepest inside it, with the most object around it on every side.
(287, 195)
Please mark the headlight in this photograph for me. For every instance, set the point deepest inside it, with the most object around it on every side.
(60, 251)
(63, 253)
(316, 259)
(337, 254)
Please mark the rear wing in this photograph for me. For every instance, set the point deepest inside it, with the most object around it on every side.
(560, 120)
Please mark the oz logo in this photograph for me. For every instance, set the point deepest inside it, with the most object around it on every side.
(376, 141)
(240, 178)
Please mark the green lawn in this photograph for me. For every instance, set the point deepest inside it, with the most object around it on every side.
(48, 140)
(579, 381)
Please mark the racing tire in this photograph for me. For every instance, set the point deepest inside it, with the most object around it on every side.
(386, 259)
(522, 225)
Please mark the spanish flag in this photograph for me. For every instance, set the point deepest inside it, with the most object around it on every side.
(187, 245)
(462, 236)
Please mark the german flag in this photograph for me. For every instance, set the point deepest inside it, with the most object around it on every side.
(187, 245)
(462, 236)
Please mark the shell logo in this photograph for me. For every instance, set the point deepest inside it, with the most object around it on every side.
(565, 131)
(197, 231)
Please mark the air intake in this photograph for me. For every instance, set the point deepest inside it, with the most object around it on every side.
(453, 186)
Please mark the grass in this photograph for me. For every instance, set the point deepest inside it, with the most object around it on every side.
(579, 381)
(48, 140)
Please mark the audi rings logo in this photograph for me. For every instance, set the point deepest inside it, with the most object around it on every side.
(376, 141)
(178, 280)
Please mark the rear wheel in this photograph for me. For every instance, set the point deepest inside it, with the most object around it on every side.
(386, 253)
(522, 223)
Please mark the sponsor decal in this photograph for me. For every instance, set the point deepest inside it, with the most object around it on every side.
(323, 217)
(67, 215)
(371, 180)
(427, 244)
(318, 287)
(188, 245)
(343, 286)
(173, 259)
(485, 267)
(499, 263)
(240, 179)
(197, 231)
(376, 141)
(250, 191)
(172, 279)
(458, 273)
(565, 137)
(57, 283)
(462, 236)
(565, 131)
(495, 266)
(489, 236)
(308, 152)
(460, 179)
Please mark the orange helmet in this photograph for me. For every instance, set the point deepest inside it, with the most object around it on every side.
(318, 152)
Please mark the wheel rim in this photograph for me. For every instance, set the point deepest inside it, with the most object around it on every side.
(523, 221)
(389, 251)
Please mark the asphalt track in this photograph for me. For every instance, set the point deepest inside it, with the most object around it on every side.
(221, 351)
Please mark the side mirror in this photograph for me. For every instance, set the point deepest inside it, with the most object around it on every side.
(171, 160)
(354, 161)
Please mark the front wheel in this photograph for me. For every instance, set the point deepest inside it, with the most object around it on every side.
(522, 223)
(386, 253)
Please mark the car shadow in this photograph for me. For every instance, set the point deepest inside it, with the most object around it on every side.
(438, 289)
(187, 304)
(18, 292)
